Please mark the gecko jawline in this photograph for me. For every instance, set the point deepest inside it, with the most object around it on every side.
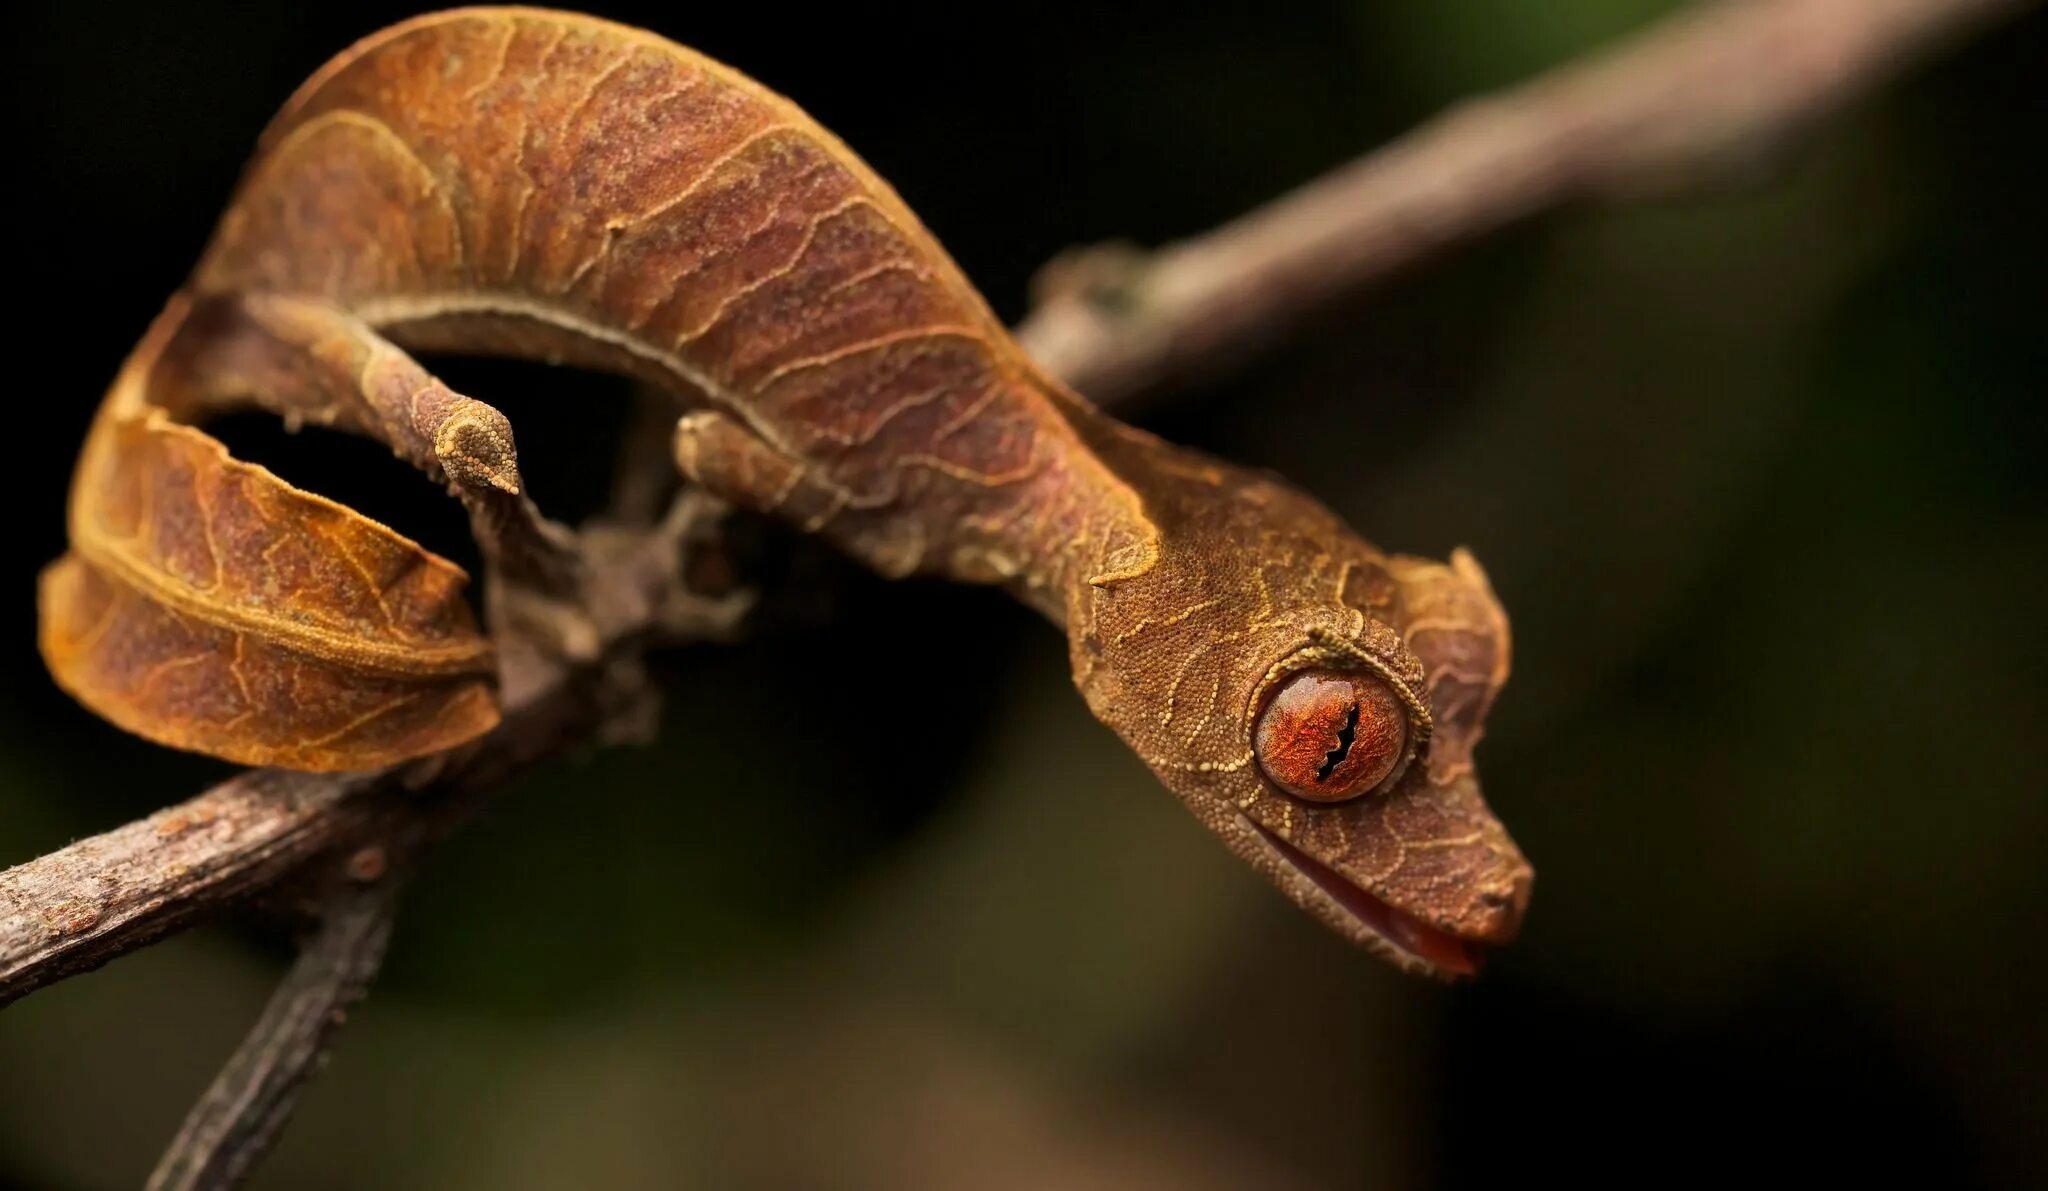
(1443, 953)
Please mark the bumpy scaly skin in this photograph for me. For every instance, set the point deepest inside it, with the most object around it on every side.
(547, 185)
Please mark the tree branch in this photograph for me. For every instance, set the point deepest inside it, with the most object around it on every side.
(76, 908)
(79, 907)
(102, 897)
(238, 1119)
(1706, 98)
(1713, 90)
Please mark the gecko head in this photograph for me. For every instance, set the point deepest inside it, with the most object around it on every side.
(1315, 703)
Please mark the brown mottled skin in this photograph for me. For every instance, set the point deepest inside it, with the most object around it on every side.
(547, 185)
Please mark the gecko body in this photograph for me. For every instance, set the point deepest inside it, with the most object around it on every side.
(551, 186)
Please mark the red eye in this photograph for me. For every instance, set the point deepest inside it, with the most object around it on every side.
(1331, 735)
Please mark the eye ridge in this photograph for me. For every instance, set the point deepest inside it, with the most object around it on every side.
(1345, 735)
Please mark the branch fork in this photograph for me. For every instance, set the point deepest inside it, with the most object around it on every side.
(1703, 101)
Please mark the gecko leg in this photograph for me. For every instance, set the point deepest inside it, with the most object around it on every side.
(733, 463)
(727, 459)
(309, 362)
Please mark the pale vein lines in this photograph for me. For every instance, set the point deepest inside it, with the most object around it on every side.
(376, 589)
(1138, 554)
(235, 664)
(900, 407)
(458, 238)
(1441, 672)
(176, 599)
(1264, 616)
(547, 56)
(515, 247)
(841, 499)
(1357, 614)
(1208, 709)
(583, 102)
(868, 274)
(1436, 624)
(1043, 512)
(1448, 774)
(570, 119)
(384, 134)
(144, 536)
(1455, 841)
(145, 686)
(415, 421)
(878, 343)
(1177, 618)
(205, 506)
(1395, 865)
(704, 175)
(358, 723)
(998, 526)
(1230, 766)
(1432, 883)
(790, 484)
(796, 258)
(967, 475)
(989, 394)
(1466, 677)
(1180, 676)
(603, 250)
(497, 70)
(86, 642)
(354, 118)
(518, 250)
(652, 305)
(1173, 688)
(896, 409)
(725, 250)
(269, 559)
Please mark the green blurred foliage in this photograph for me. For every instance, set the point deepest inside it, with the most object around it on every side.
(1758, 479)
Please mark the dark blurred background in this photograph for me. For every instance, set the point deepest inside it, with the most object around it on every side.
(1759, 479)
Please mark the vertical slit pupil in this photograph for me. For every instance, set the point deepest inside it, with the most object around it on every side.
(1345, 735)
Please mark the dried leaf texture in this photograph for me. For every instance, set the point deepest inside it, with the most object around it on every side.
(208, 605)
(548, 185)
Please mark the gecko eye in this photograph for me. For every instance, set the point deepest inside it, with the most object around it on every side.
(1331, 735)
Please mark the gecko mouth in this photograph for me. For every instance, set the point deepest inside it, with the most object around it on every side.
(1442, 953)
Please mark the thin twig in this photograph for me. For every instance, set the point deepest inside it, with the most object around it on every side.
(239, 1117)
(1703, 99)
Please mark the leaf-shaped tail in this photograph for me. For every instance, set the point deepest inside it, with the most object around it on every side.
(208, 605)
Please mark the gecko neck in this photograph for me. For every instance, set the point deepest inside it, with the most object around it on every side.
(1090, 525)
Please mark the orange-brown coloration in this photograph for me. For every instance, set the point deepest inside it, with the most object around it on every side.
(1329, 736)
(208, 605)
(523, 182)
(366, 865)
